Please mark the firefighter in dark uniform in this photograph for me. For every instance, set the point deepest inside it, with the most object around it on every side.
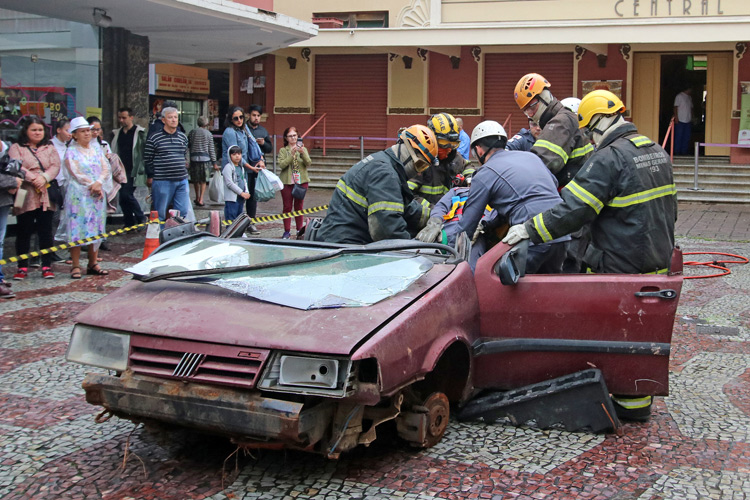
(516, 185)
(372, 200)
(433, 183)
(626, 190)
(561, 146)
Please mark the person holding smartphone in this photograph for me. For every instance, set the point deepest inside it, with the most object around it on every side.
(294, 161)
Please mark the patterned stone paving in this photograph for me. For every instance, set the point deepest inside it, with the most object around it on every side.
(695, 446)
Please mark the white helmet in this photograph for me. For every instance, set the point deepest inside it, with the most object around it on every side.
(486, 129)
(572, 104)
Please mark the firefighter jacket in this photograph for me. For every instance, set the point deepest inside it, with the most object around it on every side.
(516, 184)
(434, 182)
(561, 145)
(372, 202)
(626, 190)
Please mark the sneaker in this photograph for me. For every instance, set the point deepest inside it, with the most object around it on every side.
(6, 292)
(47, 273)
(286, 235)
(55, 257)
(21, 274)
(104, 246)
(253, 230)
(35, 262)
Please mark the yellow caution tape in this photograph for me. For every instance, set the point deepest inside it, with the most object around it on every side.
(116, 232)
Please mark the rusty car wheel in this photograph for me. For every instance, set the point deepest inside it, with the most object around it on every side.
(438, 415)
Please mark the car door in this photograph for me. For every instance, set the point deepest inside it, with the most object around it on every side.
(547, 326)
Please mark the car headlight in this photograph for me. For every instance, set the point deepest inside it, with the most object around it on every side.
(300, 374)
(308, 372)
(97, 347)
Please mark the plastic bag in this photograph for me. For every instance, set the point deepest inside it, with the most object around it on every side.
(275, 181)
(264, 188)
(216, 188)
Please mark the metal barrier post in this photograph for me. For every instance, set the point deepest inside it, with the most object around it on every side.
(361, 147)
(324, 136)
(274, 153)
(695, 175)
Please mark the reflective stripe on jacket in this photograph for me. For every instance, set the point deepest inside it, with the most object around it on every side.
(434, 182)
(561, 145)
(627, 191)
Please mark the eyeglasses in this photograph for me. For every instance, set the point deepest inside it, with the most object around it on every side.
(530, 109)
(96, 129)
(291, 136)
(237, 118)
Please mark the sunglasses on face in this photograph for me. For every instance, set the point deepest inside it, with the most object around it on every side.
(237, 118)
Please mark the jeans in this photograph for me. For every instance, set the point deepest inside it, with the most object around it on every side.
(252, 203)
(682, 134)
(4, 211)
(36, 221)
(176, 193)
(131, 209)
(233, 209)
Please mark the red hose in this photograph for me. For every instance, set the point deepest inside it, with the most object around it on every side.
(716, 264)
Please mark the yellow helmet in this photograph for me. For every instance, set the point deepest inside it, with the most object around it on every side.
(528, 87)
(598, 102)
(422, 139)
(446, 130)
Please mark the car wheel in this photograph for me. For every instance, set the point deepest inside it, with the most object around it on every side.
(633, 408)
(424, 425)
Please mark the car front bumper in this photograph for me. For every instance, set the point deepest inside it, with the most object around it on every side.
(239, 413)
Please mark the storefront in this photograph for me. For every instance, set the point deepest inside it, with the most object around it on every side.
(53, 74)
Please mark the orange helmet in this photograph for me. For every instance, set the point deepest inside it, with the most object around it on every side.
(528, 87)
(423, 140)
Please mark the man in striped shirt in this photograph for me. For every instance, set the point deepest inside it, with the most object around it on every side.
(166, 157)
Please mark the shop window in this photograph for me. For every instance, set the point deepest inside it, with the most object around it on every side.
(371, 19)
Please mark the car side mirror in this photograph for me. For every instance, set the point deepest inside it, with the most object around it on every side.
(512, 265)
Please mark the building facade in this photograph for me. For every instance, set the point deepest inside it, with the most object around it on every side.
(371, 70)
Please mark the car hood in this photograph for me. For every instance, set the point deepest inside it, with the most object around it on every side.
(205, 313)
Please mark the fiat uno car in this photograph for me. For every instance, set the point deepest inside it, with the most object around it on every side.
(311, 346)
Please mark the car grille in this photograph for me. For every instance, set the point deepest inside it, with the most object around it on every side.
(196, 361)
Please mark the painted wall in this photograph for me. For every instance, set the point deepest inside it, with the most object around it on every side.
(305, 10)
(453, 88)
(740, 155)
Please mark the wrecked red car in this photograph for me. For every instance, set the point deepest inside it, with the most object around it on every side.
(308, 345)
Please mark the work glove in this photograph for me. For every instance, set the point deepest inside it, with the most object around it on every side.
(431, 231)
(515, 234)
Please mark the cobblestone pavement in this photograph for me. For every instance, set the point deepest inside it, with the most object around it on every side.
(696, 445)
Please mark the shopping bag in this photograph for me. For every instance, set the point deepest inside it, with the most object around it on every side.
(264, 189)
(275, 181)
(216, 188)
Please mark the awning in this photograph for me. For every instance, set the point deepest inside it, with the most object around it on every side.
(185, 31)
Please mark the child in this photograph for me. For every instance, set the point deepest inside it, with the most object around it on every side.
(235, 184)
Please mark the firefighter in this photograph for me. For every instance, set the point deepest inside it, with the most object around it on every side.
(432, 184)
(625, 190)
(561, 146)
(372, 200)
(516, 185)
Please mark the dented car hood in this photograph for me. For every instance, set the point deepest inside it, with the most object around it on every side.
(207, 313)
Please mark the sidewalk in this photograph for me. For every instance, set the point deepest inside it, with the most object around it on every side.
(728, 222)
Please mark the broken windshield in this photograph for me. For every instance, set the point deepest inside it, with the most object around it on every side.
(346, 280)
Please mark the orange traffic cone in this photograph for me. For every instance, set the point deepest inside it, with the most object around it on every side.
(152, 234)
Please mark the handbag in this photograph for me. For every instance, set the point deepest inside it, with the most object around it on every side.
(254, 154)
(298, 190)
(54, 193)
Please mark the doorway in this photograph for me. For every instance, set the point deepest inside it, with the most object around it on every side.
(683, 72)
(657, 79)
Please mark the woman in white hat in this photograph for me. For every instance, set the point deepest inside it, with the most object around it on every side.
(85, 203)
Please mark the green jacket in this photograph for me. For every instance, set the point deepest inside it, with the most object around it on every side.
(284, 161)
(139, 145)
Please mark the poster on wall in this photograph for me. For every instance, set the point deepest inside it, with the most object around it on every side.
(744, 135)
(50, 103)
(614, 86)
(213, 113)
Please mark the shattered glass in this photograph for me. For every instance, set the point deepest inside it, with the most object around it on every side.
(348, 280)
